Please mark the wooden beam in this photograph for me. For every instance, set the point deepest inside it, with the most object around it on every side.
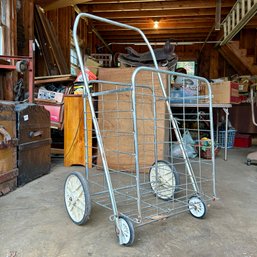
(218, 15)
(161, 13)
(233, 60)
(135, 21)
(161, 37)
(63, 3)
(154, 6)
(107, 34)
(162, 25)
(78, 11)
(214, 64)
(123, 1)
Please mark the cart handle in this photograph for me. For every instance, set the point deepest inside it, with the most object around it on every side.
(87, 15)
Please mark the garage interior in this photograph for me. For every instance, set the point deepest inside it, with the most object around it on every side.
(42, 138)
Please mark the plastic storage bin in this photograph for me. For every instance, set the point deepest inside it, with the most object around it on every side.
(242, 140)
(181, 95)
(231, 138)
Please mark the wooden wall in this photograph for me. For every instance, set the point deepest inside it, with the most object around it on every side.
(7, 79)
(62, 20)
(25, 28)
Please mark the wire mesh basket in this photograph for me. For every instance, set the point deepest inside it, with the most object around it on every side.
(206, 153)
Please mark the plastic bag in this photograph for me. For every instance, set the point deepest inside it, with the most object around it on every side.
(188, 145)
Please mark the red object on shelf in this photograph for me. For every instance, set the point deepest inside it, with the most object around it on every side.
(243, 140)
(56, 112)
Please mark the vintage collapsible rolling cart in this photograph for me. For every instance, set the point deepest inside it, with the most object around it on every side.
(144, 168)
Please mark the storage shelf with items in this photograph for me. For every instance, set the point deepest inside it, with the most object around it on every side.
(50, 93)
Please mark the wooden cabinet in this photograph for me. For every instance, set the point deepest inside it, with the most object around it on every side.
(74, 146)
(8, 150)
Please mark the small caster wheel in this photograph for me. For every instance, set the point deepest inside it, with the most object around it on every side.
(197, 207)
(77, 198)
(248, 162)
(126, 234)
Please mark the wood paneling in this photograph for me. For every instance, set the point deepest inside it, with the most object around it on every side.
(74, 147)
(116, 123)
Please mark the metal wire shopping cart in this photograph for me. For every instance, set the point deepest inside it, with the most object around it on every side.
(143, 169)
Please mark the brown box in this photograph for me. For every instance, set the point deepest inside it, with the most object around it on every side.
(225, 92)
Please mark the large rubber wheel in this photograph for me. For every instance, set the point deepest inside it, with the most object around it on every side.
(164, 179)
(197, 207)
(77, 198)
(126, 234)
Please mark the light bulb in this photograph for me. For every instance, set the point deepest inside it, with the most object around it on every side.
(156, 24)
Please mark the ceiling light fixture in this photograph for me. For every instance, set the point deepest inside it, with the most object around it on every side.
(156, 24)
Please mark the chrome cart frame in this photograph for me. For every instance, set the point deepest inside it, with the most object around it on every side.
(135, 172)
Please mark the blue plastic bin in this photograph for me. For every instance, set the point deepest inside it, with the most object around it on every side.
(231, 138)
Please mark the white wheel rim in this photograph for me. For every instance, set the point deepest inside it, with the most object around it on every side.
(164, 183)
(75, 198)
(196, 207)
(124, 230)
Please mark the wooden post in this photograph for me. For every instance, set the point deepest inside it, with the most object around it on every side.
(214, 64)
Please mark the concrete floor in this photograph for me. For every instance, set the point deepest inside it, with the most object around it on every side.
(34, 223)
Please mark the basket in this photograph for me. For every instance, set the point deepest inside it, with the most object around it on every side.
(231, 138)
(207, 153)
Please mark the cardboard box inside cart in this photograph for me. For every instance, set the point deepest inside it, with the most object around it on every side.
(225, 92)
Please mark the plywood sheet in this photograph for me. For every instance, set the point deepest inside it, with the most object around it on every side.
(115, 118)
(74, 147)
(8, 155)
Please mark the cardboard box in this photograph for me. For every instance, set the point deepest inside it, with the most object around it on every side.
(92, 65)
(225, 92)
(50, 95)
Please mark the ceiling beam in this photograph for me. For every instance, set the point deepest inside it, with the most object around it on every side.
(161, 38)
(155, 32)
(63, 3)
(162, 25)
(154, 6)
(161, 13)
(124, 1)
(133, 21)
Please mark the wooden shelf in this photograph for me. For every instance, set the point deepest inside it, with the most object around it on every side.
(54, 79)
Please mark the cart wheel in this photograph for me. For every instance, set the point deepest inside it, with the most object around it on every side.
(166, 181)
(197, 207)
(248, 162)
(77, 198)
(126, 234)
